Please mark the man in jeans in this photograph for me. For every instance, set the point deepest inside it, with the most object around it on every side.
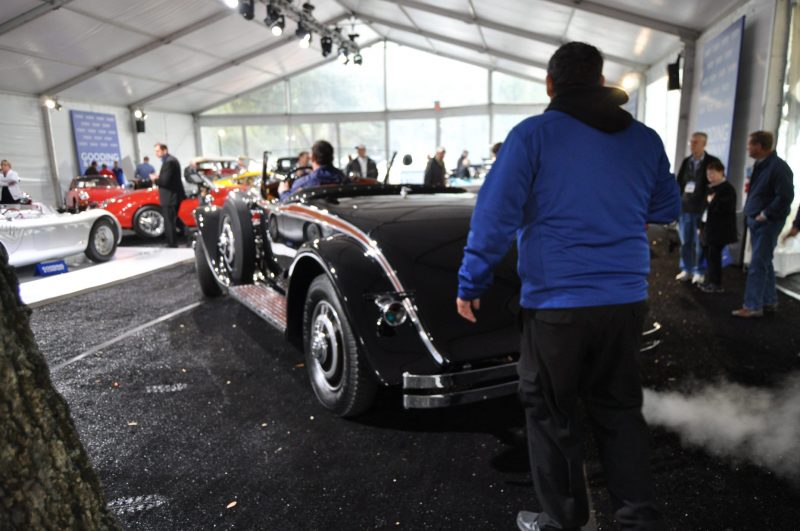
(768, 204)
(576, 186)
(694, 186)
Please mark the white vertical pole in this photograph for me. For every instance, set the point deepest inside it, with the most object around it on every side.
(51, 156)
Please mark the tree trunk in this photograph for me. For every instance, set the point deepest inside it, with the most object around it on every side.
(46, 479)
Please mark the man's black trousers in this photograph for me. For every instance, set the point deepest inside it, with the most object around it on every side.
(589, 354)
(170, 219)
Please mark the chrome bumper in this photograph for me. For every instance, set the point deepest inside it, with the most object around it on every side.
(425, 391)
(422, 391)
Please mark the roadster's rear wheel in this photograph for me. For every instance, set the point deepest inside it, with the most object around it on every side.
(236, 243)
(102, 241)
(338, 374)
(208, 284)
(148, 222)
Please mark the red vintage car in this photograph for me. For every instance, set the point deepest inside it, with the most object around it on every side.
(89, 192)
(140, 210)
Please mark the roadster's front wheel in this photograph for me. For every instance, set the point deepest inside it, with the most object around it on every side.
(338, 374)
(205, 277)
(148, 222)
(236, 243)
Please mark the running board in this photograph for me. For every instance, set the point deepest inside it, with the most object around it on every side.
(263, 301)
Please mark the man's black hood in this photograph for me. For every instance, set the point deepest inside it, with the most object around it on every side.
(597, 107)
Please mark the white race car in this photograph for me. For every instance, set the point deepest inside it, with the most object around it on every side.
(35, 232)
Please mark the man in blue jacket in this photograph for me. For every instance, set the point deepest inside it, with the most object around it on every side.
(323, 171)
(768, 204)
(576, 186)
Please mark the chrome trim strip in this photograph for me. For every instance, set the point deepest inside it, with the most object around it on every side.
(309, 213)
(656, 328)
(469, 377)
(459, 397)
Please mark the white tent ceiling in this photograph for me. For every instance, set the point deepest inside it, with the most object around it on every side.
(186, 55)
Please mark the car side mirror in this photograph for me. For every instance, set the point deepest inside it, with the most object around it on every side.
(407, 160)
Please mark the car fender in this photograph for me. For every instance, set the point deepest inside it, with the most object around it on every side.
(358, 279)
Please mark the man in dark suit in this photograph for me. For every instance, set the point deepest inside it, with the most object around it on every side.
(694, 189)
(435, 172)
(362, 166)
(170, 191)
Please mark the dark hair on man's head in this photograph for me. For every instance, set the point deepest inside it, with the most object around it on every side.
(575, 64)
(163, 147)
(763, 139)
(146, 158)
(322, 151)
(496, 148)
(716, 166)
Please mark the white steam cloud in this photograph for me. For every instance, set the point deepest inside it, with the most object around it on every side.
(761, 425)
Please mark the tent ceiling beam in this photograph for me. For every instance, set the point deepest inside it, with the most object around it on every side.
(133, 54)
(455, 42)
(626, 16)
(228, 64)
(505, 28)
(32, 14)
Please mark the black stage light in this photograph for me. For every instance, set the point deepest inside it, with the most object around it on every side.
(326, 43)
(674, 74)
(277, 26)
(308, 8)
(247, 8)
(344, 57)
(357, 59)
(302, 32)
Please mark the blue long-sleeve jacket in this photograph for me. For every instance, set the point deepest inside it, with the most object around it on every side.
(318, 177)
(771, 189)
(577, 199)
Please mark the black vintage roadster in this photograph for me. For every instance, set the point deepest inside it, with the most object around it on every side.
(363, 278)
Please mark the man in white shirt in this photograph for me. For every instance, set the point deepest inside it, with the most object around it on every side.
(9, 184)
(362, 165)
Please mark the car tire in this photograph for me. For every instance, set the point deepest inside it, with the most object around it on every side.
(208, 284)
(148, 222)
(236, 243)
(339, 376)
(102, 241)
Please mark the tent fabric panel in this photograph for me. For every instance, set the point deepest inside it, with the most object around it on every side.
(186, 100)
(233, 80)
(530, 49)
(113, 89)
(447, 27)
(63, 35)
(13, 8)
(152, 17)
(523, 70)
(621, 38)
(696, 15)
(537, 15)
(229, 38)
(32, 75)
(384, 10)
(168, 63)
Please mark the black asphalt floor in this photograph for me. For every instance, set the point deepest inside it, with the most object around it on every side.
(206, 420)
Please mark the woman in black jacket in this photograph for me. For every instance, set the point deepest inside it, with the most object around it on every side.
(719, 228)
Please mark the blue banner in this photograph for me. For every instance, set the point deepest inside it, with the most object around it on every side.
(717, 96)
(96, 138)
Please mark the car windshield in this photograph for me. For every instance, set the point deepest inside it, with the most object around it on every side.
(95, 181)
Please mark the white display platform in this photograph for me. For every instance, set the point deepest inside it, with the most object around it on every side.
(128, 263)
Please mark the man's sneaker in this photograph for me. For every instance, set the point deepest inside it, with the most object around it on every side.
(708, 287)
(747, 313)
(698, 278)
(528, 521)
(770, 308)
(683, 276)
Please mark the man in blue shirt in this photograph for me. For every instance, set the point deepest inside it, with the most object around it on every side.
(769, 201)
(144, 170)
(322, 172)
(118, 173)
(576, 187)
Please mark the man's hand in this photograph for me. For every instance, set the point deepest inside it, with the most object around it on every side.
(791, 234)
(465, 309)
(283, 186)
(153, 176)
(761, 218)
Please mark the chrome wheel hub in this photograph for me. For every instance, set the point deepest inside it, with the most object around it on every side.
(104, 240)
(327, 344)
(152, 223)
(225, 244)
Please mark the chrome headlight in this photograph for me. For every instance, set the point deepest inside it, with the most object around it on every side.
(392, 311)
(83, 196)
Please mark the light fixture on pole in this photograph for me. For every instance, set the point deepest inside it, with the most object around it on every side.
(275, 21)
(52, 104)
(326, 43)
(139, 114)
(247, 8)
(233, 4)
